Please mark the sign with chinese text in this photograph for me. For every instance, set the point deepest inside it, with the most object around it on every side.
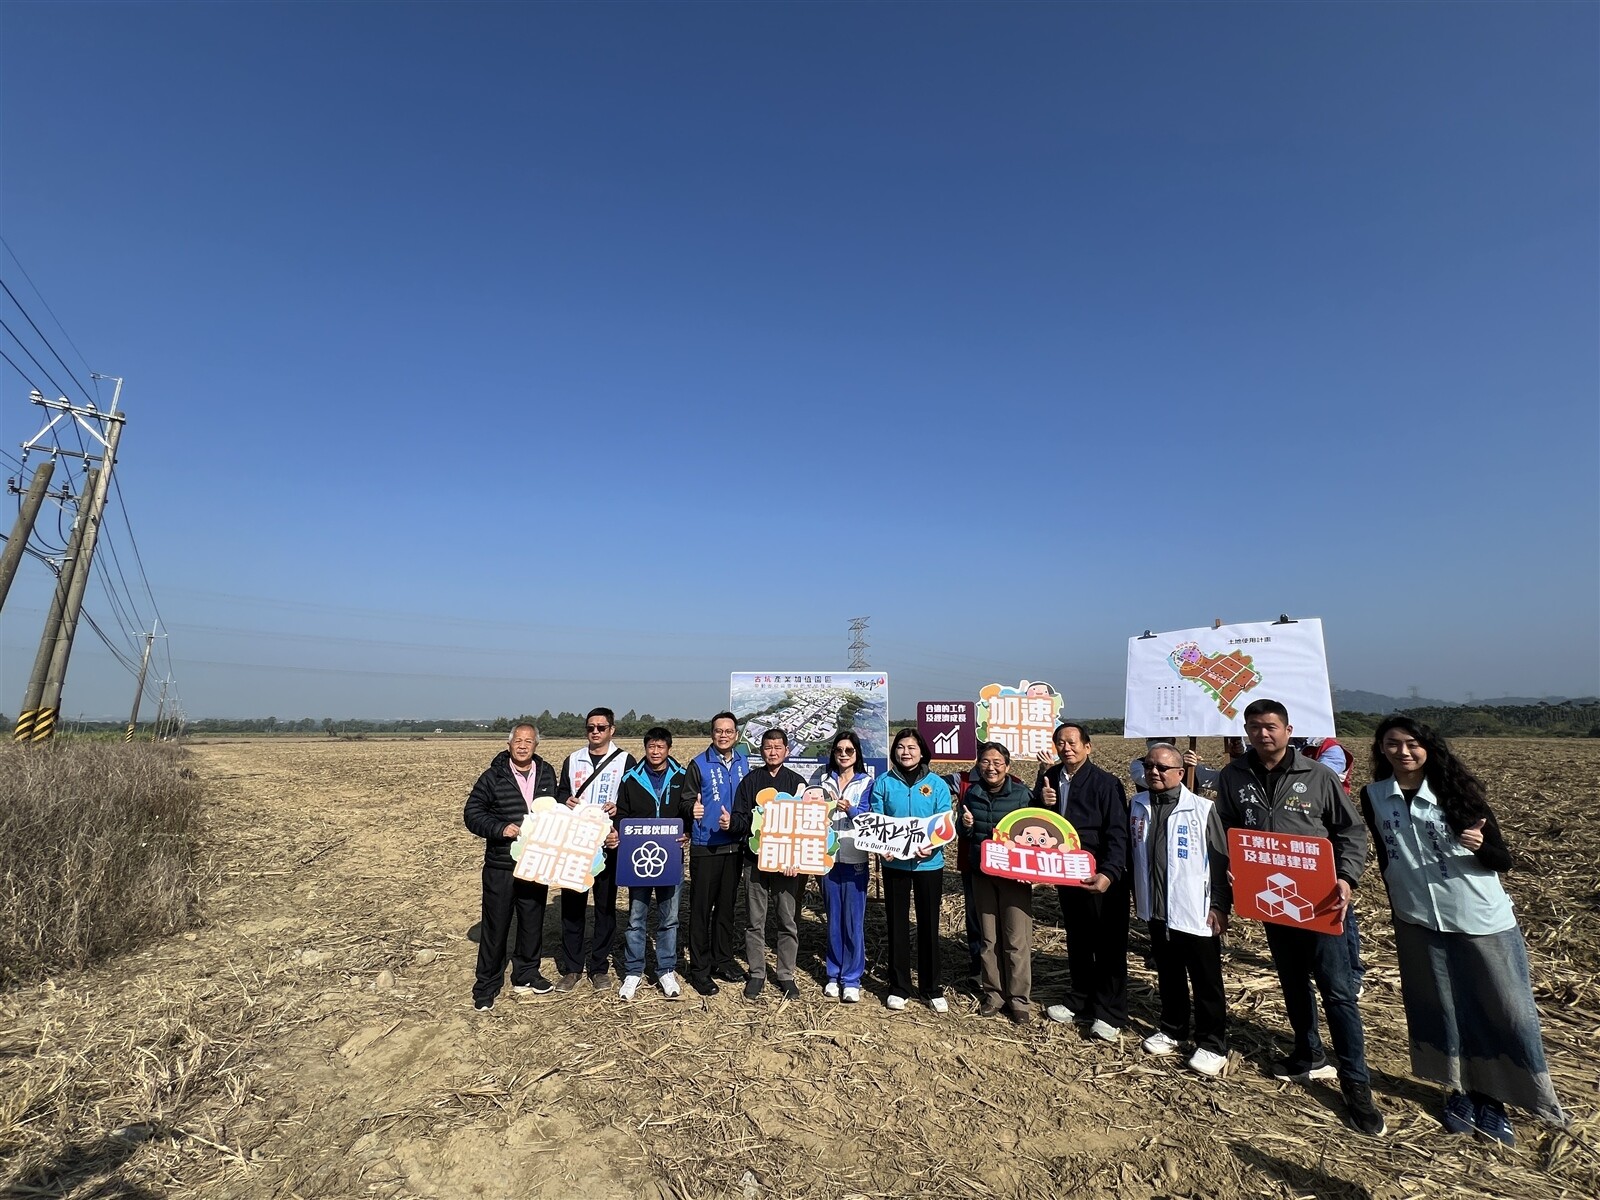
(1285, 879)
(648, 852)
(1035, 845)
(950, 727)
(902, 837)
(789, 831)
(811, 707)
(1198, 682)
(1020, 718)
(561, 846)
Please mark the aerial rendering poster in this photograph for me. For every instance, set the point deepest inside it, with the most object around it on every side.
(811, 706)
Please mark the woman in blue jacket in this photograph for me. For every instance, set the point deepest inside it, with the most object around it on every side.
(1463, 963)
(911, 790)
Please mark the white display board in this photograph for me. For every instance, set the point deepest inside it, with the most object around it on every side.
(1197, 682)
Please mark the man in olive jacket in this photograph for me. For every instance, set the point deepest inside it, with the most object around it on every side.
(1274, 788)
(494, 811)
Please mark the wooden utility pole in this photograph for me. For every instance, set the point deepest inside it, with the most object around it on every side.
(23, 529)
(27, 715)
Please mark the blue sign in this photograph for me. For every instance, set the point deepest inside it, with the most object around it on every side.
(648, 853)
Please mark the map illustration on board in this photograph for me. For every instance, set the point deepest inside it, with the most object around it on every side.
(1226, 676)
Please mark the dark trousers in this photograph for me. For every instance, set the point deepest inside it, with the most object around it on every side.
(1184, 961)
(974, 929)
(713, 890)
(1301, 957)
(900, 887)
(503, 894)
(573, 906)
(1097, 952)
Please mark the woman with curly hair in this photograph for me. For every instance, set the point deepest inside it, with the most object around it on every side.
(1463, 963)
(911, 790)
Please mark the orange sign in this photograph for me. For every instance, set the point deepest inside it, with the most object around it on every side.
(1285, 880)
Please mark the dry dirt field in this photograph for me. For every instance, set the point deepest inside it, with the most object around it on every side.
(314, 1037)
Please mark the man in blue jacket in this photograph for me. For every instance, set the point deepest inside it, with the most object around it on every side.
(705, 801)
(494, 811)
(650, 790)
(1094, 915)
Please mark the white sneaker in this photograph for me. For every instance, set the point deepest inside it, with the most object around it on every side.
(669, 986)
(896, 1003)
(1105, 1032)
(1159, 1044)
(630, 986)
(939, 1004)
(1061, 1014)
(831, 991)
(851, 996)
(1208, 1063)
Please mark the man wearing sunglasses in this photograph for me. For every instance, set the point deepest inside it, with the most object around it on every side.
(593, 775)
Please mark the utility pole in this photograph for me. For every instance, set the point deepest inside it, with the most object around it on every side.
(23, 529)
(27, 715)
(138, 690)
(858, 643)
(36, 720)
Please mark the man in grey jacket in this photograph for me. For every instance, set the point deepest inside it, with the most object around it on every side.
(1275, 788)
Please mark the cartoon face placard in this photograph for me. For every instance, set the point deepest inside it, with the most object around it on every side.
(902, 837)
(1035, 845)
(1020, 718)
(560, 846)
(794, 831)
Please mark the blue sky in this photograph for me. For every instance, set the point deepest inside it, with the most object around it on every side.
(483, 359)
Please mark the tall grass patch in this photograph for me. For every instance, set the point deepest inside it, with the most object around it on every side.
(97, 845)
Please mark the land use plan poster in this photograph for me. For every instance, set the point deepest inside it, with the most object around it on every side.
(812, 706)
(1197, 682)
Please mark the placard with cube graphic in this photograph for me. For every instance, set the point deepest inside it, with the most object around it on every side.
(1285, 879)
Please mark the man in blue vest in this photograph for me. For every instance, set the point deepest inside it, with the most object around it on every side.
(705, 799)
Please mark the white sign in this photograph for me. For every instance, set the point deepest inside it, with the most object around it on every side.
(1197, 682)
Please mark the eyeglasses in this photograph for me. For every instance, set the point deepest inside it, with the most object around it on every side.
(596, 728)
(1160, 768)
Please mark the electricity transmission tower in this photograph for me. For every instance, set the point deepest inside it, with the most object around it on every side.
(858, 643)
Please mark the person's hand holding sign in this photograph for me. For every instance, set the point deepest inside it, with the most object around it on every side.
(511, 831)
(1344, 898)
(1097, 884)
(1472, 836)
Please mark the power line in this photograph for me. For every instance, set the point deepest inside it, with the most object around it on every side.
(87, 395)
(46, 304)
(23, 346)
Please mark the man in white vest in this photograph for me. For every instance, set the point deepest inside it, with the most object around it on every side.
(592, 775)
(1181, 888)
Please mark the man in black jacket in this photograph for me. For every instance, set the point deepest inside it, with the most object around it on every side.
(494, 811)
(764, 891)
(1094, 915)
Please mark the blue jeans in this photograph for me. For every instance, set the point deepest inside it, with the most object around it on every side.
(844, 888)
(1301, 957)
(639, 898)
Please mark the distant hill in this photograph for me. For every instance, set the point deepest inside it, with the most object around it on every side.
(1376, 702)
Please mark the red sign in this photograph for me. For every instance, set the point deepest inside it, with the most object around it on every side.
(950, 728)
(1285, 880)
(1030, 864)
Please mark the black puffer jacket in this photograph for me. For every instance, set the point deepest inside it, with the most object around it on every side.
(496, 802)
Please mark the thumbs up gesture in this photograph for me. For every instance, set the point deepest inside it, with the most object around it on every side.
(1472, 836)
(1048, 794)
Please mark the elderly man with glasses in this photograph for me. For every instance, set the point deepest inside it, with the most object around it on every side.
(593, 775)
(1181, 888)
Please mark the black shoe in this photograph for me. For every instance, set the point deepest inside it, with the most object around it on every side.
(1298, 1070)
(537, 986)
(753, 986)
(789, 989)
(1363, 1114)
(729, 975)
(705, 987)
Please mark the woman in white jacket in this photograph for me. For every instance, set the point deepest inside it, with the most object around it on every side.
(844, 887)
